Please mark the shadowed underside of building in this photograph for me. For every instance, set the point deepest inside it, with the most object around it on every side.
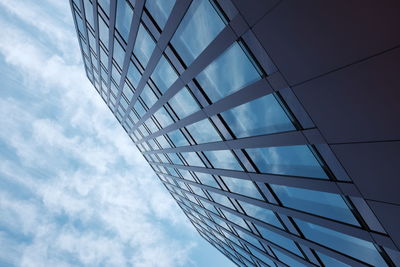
(273, 124)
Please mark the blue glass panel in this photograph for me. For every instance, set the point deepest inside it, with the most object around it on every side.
(123, 18)
(175, 159)
(261, 214)
(261, 116)
(92, 41)
(221, 199)
(104, 75)
(115, 74)
(163, 142)
(178, 138)
(287, 160)
(207, 179)
(192, 159)
(133, 75)
(139, 109)
(103, 31)
(77, 3)
(328, 261)
(89, 12)
(148, 96)
(280, 240)
(197, 29)
(144, 46)
(164, 75)
(286, 259)
(183, 103)
(203, 132)
(186, 175)
(163, 117)
(119, 54)
(243, 187)
(227, 74)
(160, 10)
(79, 23)
(103, 57)
(321, 203)
(355, 247)
(105, 4)
(151, 125)
(223, 159)
(127, 92)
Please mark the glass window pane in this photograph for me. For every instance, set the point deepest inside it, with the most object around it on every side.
(119, 54)
(183, 103)
(163, 142)
(160, 10)
(144, 46)
(221, 199)
(133, 75)
(286, 259)
(261, 116)
(79, 23)
(192, 159)
(261, 214)
(103, 57)
(230, 72)
(103, 31)
(164, 75)
(203, 132)
(178, 138)
(127, 92)
(105, 4)
(197, 29)
(287, 160)
(148, 96)
(123, 18)
(207, 179)
(321, 203)
(163, 117)
(139, 109)
(243, 187)
(355, 247)
(89, 12)
(223, 159)
(115, 74)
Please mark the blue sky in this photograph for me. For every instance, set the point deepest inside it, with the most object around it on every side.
(74, 190)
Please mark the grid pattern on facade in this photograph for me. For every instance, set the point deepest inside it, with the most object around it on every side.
(194, 90)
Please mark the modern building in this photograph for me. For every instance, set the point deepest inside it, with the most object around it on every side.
(273, 124)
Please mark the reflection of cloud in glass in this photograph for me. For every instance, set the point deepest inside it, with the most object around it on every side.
(223, 159)
(178, 138)
(243, 187)
(198, 28)
(160, 10)
(163, 117)
(183, 103)
(164, 75)
(144, 46)
(261, 116)
(123, 18)
(119, 53)
(203, 132)
(230, 72)
(261, 214)
(287, 160)
(321, 203)
(192, 159)
(148, 96)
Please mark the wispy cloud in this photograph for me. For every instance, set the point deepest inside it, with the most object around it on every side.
(74, 190)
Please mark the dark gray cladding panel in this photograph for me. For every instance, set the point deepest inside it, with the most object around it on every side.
(254, 10)
(389, 216)
(374, 168)
(359, 103)
(308, 38)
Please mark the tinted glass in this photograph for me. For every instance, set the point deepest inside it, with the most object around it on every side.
(163, 117)
(119, 54)
(287, 160)
(144, 46)
(261, 116)
(148, 96)
(198, 28)
(223, 159)
(127, 92)
(103, 31)
(123, 18)
(160, 10)
(133, 75)
(192, 159)
(183, 103)
(203, 132)
(89, 12)
(230, 72)
(243, 187)
(320, 203)
(178, 138)
(164, 75)
(105, 4)
(261, 214)
(346, 244)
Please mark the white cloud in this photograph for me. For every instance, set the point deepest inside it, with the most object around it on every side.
(91, 197)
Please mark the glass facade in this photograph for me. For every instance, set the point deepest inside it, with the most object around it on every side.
(232, 152)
